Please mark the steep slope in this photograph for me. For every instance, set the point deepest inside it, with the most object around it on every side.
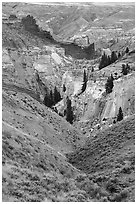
(34, 136)
(94, 105)
(24, 112)
(110, 153)
(34, 140)
(44, 157)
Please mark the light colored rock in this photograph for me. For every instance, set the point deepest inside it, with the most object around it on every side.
(56, 58)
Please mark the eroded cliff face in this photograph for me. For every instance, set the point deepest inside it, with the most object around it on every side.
(35, 68)
(44, 65)
(94, 106)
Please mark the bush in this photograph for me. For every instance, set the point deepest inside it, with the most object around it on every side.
(126, 169)
(118, 197)
(79, 195)
(81, 177)
(104, 199)
(112, 186)
(124, 193)
(103, 193)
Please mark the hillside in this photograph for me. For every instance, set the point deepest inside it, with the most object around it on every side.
(111, 153)
(61, 140)
(34, 139)
(79, 19)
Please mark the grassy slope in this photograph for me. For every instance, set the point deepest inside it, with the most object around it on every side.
(27, 114)
(108, 148)
(110, 154)
(34, 169)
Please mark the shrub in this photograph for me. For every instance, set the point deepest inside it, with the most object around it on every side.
(104, 199)
(79, 195)
(124, 193)
(118, 197)
(126, 169)
(111, 186)
(103, 192)
(81, 177)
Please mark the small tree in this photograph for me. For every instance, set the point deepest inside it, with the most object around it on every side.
(112, 77)
(69, 111)
(37, 77)
(119, 55)
(109, 60)
(84, 81)
(127, 50)
(113, 57)
(125, 69)
(51, 98)
(29, 23)
(57, 96)
(128, 68)
(120, 115)
(47, 101)
(109, 84)
(84, 76)
(104, 61)
(64, 88)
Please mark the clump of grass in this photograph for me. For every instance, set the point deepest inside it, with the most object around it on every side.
(126, 169)
(118, 197)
